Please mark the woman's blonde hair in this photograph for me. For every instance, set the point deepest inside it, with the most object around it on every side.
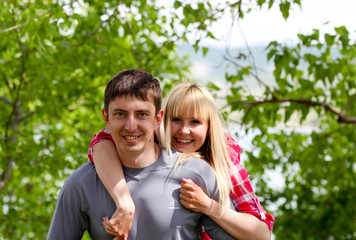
(190, 100)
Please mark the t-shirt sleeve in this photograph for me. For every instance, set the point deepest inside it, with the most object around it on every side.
(213, 230)
(69, 220)
(103, 134)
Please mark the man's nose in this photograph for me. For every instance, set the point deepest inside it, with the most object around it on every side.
(131, 123)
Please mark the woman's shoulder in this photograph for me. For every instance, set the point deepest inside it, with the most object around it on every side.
(233, 149)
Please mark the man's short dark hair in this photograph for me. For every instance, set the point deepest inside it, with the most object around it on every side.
(136, 83)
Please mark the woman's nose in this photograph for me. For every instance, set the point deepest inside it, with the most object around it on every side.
(185, 129)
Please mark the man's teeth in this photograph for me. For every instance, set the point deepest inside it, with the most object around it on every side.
(184, 141)
(131, 137)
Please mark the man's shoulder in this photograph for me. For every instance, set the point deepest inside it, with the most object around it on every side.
(199, 171)
(193, 164)
(198, 164)
(173, 158)
(81, 175)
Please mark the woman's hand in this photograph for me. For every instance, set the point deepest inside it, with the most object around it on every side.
(193, 197)
(121, 220)
(109, 228)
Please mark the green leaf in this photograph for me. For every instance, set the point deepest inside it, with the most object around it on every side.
(260, 2)
(205, 51)
(270, 4)
(177, 4)
(284, 8)
(213, 86)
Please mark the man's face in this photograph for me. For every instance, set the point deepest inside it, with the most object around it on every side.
(132, 123)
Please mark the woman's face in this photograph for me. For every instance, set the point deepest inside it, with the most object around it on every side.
(188, 134)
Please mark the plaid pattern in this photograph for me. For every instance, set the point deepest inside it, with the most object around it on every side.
(243, 202)
(103, 134)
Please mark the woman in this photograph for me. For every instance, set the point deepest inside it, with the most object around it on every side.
(192, 125)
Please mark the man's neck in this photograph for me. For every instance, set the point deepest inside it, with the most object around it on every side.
(140, 160)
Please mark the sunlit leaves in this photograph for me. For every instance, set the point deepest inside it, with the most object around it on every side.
(54, 67)
(55, 58)
(301, 135)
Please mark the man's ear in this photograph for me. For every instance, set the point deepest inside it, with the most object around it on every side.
(105, 116)
(159, 117)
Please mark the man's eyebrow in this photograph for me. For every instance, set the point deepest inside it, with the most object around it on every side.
(118, 110)
(123, 110)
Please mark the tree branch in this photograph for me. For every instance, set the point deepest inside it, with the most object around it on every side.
(341, 117)
(15, 117)
(5, 176)
(138, 53)
(353, 97)
(13, 27)
(253, 74)
(5, 100)
(22, 117)
(16, 26)
(7, 82)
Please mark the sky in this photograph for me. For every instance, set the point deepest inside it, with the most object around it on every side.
(261, 27)
(264, 26)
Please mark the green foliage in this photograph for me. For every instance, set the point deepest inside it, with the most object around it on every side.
(55, 61)
(56, 57)
(305, 125)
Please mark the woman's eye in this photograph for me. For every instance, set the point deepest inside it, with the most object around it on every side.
(195, 121)
(175, 119)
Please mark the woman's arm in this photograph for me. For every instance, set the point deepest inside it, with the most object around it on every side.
(110, 172)
(242, 187)
(240, 225)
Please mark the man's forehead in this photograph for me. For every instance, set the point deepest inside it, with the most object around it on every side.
(124, 102)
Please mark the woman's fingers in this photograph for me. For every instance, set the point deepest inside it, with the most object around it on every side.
(108, 227)
(192, 196)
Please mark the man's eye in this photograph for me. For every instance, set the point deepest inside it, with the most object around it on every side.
(142, 114)
(120, 114)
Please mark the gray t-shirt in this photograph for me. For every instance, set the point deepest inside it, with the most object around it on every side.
(84, 201)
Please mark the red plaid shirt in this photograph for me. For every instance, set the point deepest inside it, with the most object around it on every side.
(243, 202)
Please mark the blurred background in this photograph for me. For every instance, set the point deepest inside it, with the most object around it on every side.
(283, 73)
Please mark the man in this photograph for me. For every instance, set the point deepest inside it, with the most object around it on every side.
(132, 114)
